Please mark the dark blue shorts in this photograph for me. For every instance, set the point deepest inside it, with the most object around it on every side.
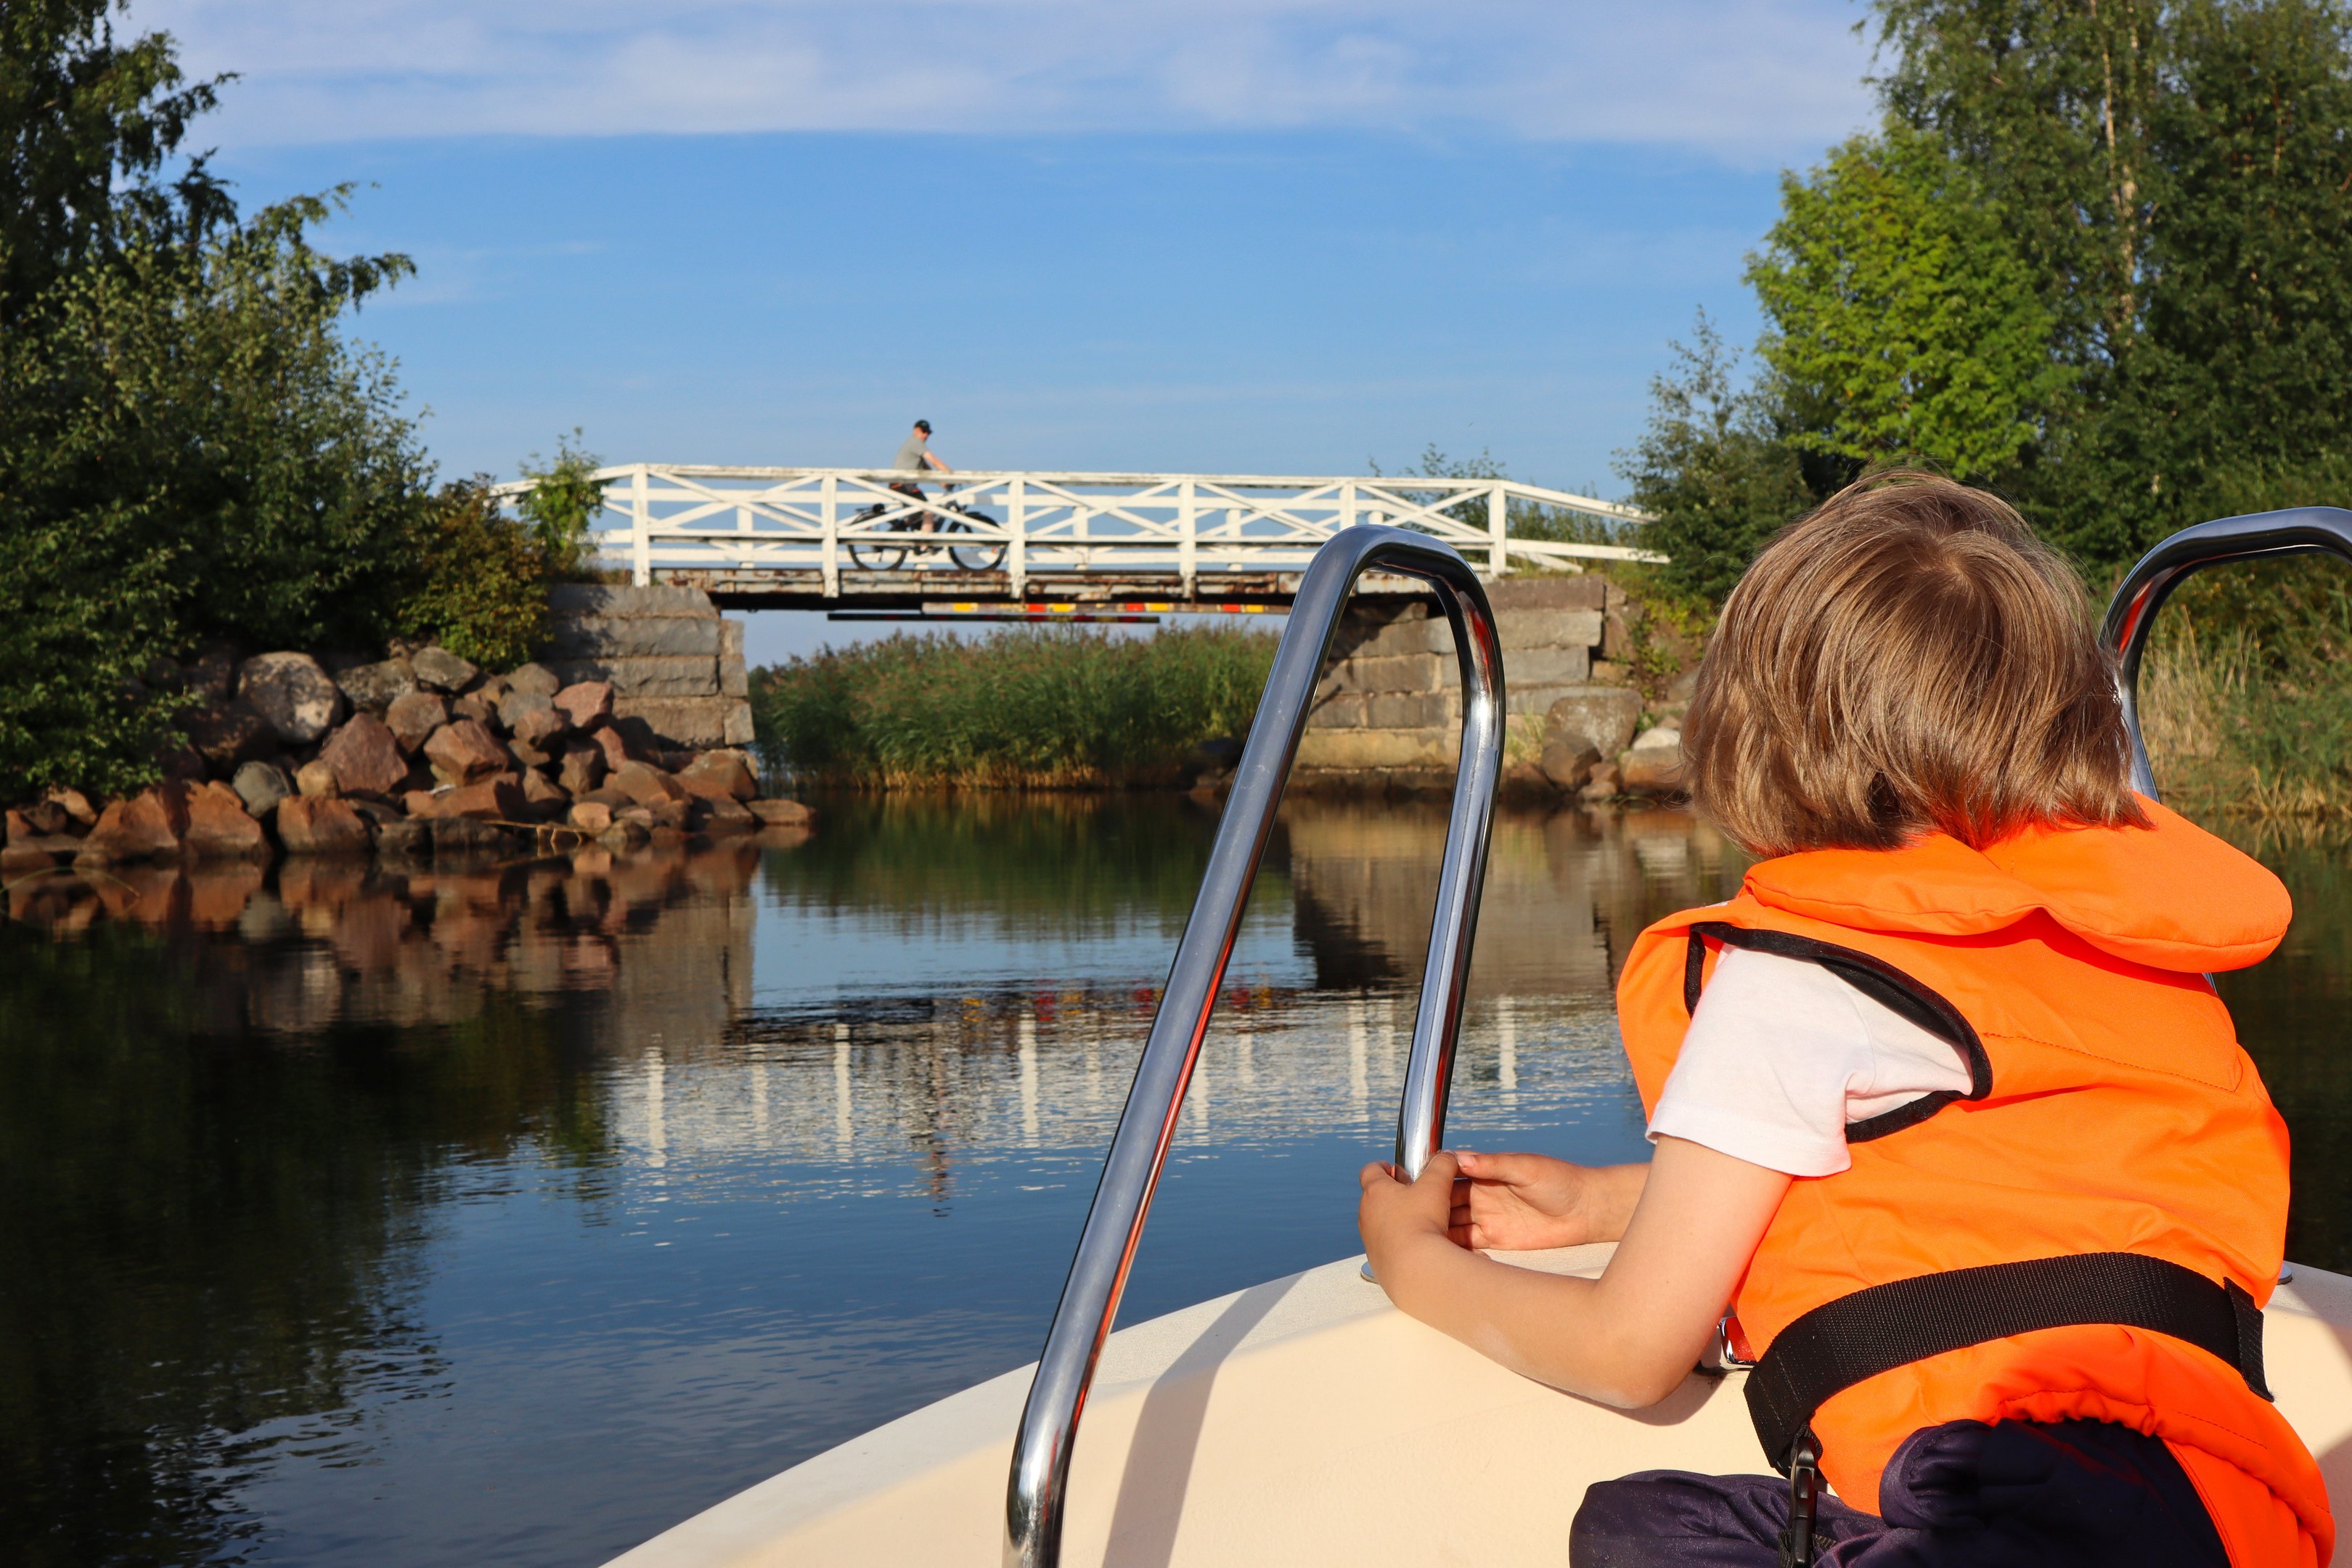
(2018, 1494)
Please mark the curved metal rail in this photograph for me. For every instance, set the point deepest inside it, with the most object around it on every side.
(2131, 614)
(1082, 1320)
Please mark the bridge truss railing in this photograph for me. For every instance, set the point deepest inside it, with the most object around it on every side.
(661, 517)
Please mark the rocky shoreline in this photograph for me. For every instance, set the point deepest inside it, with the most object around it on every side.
(417, 756)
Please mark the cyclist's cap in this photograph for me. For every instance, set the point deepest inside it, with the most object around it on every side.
(924, 426)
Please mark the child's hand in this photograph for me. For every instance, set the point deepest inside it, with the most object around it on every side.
(1523, 1203)
(1395, 1215)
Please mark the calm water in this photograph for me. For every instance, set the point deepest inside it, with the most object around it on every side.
(512, 1216)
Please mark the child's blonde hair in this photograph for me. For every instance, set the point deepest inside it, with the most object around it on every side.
(1907, 657)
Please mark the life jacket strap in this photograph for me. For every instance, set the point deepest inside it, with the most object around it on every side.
(1855, 1338)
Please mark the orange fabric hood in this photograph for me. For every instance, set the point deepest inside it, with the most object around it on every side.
(2170, 896)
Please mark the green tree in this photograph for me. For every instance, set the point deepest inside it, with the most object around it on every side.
(563, 502)
(1713, 469)
(478, 587)
(189, 450)
(1904, 324)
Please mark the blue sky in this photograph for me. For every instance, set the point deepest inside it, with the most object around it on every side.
(1236, 236)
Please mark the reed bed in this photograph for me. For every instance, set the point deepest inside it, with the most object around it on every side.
(1043, 707)
(2246, 693)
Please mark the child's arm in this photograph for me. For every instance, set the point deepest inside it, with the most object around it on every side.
(1626, 1338)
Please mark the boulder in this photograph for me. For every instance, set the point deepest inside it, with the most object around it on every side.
(722, 816)
(293, 692)
(1568, 760)
(581, 768)
(316, 778)
(618, 750)
(439, 669)
(182, 762)
(75, 806)
(261, 785)
(228, 734)
(374, 687)
(645, 784)
(149, 825)
(719, 776)
(540, 728)
(422, 804)
(364, 757)
(535, 679)
(405, 837)
(586, 703)
(497, 799)
(320, 825)
(1654, 764)
(414, 716)
(605, 794)
(671, 815)
(591, 815)
(43, 819)
(515, 705)
(1601, 716)
(469, 835)
(481, 710)
(219, 827)
(25, 847)
(781, 812)
(377, 813)
(464, 750)
(546, 803)
(1602, 786)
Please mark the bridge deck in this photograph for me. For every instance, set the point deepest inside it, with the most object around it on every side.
(1159, 593)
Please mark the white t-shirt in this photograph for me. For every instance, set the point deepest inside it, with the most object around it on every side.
(1781, 1055)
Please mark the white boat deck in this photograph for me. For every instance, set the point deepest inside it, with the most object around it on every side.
(1306, 1421)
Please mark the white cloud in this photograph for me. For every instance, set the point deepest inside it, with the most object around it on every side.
(1752, 80)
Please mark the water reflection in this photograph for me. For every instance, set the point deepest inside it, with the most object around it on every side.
(509, 1213)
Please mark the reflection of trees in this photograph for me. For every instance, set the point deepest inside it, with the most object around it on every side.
(2290, 1012)
(229, 1099)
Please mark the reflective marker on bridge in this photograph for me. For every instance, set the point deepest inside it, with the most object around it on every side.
(833, 539)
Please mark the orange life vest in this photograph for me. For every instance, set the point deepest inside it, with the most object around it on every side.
(2113, 1111)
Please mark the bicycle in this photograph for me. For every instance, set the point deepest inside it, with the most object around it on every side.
(979, 556)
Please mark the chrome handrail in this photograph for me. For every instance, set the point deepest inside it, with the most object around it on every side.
(2131, 614)
(1082, 1319)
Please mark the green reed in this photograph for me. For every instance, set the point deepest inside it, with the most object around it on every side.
(1043, 707)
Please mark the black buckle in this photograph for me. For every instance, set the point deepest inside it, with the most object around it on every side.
(1804, 1501)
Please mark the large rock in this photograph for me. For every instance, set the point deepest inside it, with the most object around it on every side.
(1654, 764)
(316, 778)
(293, 692)
(546, 801)
(591, 815)
(148, 825)
(261, 785)
(534, 679)
(413, 717)
(721, 817)
(219, 829)
(228, 734)
(781, 812)
(619, 750)
(374, 687)
(719, 776)
(581, 768)
(464, 751)
(366, 757)
(1568, 761)
(497, 799)
(478, 706)
(75, 806)
(46, 818)
(320, 825)
(517, 706)
(439, 669)
(540, 728)
(586, 703)
(1602, 716)
(645, 784)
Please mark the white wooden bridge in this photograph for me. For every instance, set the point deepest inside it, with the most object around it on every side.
(836, 538)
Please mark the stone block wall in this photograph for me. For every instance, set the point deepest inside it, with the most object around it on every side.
(1389, 709)
(673, 661)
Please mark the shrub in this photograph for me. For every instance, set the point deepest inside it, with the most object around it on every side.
(479, 579)
(561, 505)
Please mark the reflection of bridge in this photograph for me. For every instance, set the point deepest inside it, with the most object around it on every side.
(790, 538)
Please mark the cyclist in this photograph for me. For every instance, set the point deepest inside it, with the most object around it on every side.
(915, 454)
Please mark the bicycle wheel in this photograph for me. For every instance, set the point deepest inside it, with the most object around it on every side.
(983, 555)
(872, 556)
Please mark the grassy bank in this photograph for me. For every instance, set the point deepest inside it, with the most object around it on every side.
(1048, 708)
(2246, 692)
